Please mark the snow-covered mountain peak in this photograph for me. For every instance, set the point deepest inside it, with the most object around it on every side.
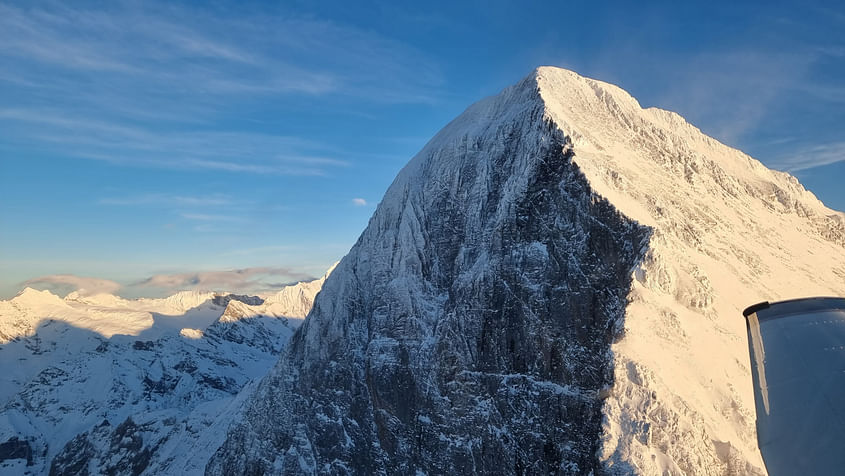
(101, 299)
(296, 300)
(446, 341)
(597, 114)
(30, 297)
(726, 232)
(555, 257)
(606, 124)
(181, 301)
(236, 310)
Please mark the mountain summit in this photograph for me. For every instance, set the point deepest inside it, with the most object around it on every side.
(554, 284)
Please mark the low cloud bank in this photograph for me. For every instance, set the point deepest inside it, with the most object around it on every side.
(245, 280)
(63, 284)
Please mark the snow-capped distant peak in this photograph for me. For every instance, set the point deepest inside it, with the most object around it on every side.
(109, 315)
(32, 298)
(102, 299)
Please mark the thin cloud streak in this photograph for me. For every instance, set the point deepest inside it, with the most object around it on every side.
(246, 152)
(262, 52)
(265, 250)
(206, 217)
(167, 200)
(134, 41)
(812, 157)
(102, 84)
(746, 84)
(237, 280)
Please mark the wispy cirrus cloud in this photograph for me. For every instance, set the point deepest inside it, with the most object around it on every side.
(130, 144)
(210, 50)
(812, 156)
(150, 84)
(208, 217)
(169, 200)
(207, 213)
(729, 92)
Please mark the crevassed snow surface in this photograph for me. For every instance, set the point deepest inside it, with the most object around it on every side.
(479, 309)
(117, 386)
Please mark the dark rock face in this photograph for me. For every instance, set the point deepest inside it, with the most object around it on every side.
(468, 331)
(161, 391)
(126, 452)
(15, 448)
(223, 300)
(144, 345)
(74, 457)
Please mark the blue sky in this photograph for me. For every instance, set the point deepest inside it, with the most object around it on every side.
(241, 145)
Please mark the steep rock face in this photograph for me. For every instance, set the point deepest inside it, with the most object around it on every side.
(469, 328)
(556, 259)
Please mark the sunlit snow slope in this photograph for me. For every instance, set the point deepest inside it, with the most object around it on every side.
(553, 284)
(727, 232)
(105, 385)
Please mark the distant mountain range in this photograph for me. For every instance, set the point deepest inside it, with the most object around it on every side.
(88, 380)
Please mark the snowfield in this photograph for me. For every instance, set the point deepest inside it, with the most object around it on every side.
(727, 232)
(110, 385)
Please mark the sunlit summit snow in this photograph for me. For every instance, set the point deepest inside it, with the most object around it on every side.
(727, 233)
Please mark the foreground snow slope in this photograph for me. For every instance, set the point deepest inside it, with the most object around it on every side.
(114, 386)
(553, 284)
